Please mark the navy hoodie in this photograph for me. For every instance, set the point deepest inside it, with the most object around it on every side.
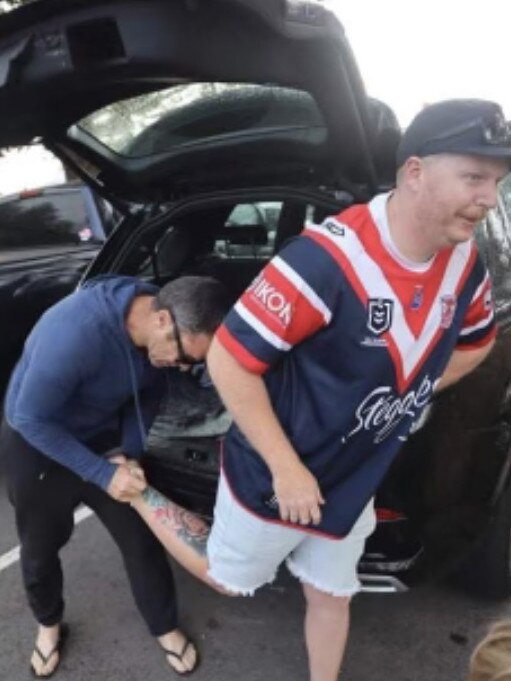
(78, 369)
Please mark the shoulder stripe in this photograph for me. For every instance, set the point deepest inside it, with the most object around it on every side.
(260, 328)
(239, 352)
(302, 286)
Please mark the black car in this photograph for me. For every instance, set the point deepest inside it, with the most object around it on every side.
(48, 236)
(218, 129)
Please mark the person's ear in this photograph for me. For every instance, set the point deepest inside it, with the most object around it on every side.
(163, 319)
(413, 172)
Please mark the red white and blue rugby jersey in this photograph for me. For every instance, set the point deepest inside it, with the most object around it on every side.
(351, 339)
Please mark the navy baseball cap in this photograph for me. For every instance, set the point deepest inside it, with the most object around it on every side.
(474, 127)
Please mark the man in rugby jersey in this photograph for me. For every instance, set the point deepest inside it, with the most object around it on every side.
(329, 357)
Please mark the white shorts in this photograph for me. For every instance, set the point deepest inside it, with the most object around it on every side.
(244, 551)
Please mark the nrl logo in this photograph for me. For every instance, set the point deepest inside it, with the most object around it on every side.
(379, 315)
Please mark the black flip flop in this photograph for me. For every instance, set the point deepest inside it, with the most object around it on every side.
(59, 647)
(179, 656)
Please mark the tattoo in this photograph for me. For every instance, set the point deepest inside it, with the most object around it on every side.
(186, 525)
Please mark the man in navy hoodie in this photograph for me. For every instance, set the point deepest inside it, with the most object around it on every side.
(91, 363)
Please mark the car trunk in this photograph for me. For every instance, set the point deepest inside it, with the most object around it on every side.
(63, 60)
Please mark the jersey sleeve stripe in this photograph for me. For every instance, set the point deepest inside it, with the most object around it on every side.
(260, 328)
(478, 339)
(304, 288)
(480, 288)
(240, 353)
(482, 324)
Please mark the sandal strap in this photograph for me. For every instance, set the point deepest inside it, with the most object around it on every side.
(56, 648)
(46, 658)
(178, 656)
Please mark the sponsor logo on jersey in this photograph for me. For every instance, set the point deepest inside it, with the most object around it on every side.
(448, 308)
(372, 342)
(382, 410)
(271, 501)
(335, 228)
(418, 297)
(379, 315)
(273, 300)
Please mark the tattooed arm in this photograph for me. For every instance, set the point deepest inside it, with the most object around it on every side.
(183, 534)
(182, 524)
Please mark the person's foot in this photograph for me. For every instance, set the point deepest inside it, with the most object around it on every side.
(180, 652)
(46, 656)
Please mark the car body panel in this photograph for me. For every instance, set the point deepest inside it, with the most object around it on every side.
(48, 237)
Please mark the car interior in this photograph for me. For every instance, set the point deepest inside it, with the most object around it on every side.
(230, 241)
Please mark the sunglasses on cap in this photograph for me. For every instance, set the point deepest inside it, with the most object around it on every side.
(495, 132)
(182, 357)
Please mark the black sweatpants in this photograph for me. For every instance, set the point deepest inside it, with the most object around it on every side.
(45, 495)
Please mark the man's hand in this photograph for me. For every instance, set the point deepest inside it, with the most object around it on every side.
(127, 483)
(298, 495)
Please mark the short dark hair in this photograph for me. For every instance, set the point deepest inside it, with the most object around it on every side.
(198, 304)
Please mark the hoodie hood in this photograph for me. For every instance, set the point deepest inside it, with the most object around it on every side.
(114, 295)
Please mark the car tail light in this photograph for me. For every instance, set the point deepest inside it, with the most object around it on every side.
(30, 193)
(387, 515)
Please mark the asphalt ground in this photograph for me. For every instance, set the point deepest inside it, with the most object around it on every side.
(420, 635)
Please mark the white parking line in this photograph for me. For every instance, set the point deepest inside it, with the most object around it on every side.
(12, 556)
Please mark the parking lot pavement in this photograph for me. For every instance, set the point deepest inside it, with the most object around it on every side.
(424, 634)
(7, 532)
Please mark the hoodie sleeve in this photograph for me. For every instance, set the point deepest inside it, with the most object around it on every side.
(58, 363)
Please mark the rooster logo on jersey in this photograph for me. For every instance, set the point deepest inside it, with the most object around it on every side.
(447, 310)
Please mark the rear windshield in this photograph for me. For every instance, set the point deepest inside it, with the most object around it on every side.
(197, 112)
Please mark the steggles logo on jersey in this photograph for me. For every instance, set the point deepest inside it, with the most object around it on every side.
(448, 308)
(379, 315)
(383, 411)
(273, 300)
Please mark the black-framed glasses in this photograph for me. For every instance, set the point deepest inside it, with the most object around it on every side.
(494, 131)
(182, 356)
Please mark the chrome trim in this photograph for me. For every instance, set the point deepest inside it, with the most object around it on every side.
(381, 584)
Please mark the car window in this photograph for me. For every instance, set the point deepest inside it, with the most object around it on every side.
(46, 219)
(192, 113)
(249, 231)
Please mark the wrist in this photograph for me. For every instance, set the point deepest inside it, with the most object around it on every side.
(285, 464)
